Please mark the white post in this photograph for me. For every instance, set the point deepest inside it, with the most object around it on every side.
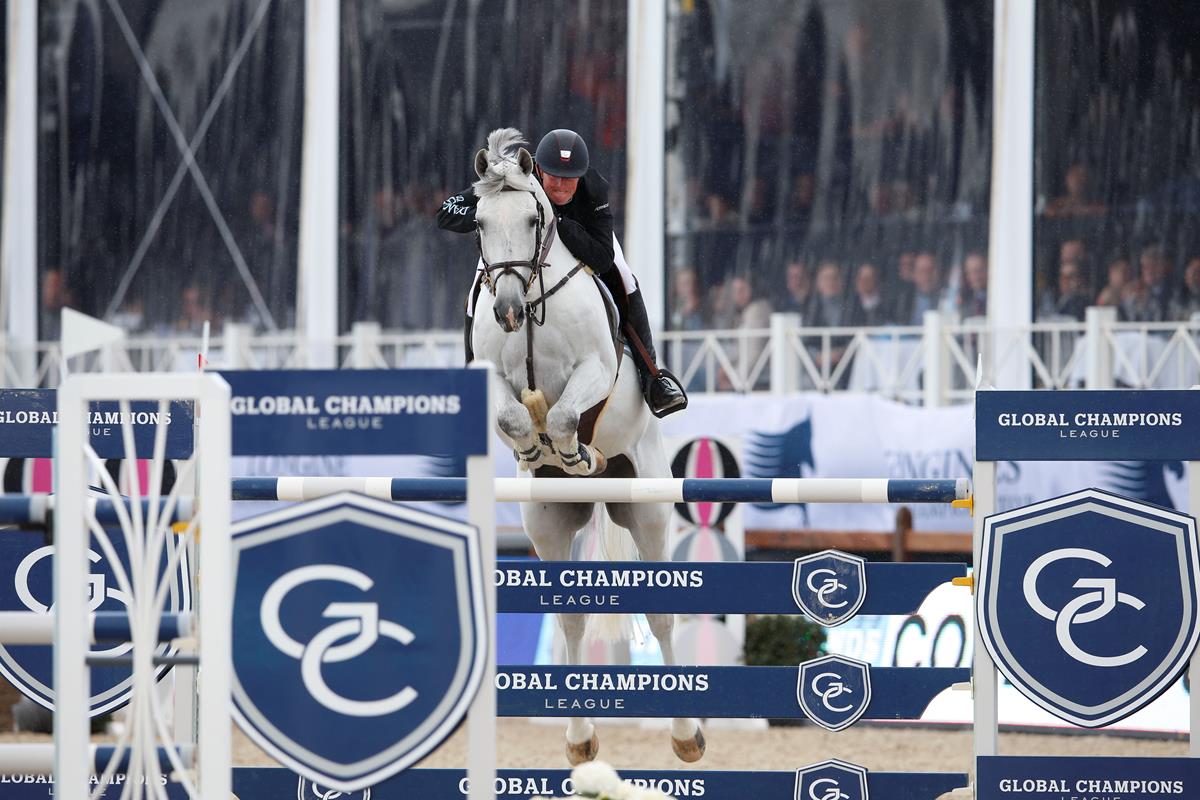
(935, 365)
(983, 675)
(1098, 354)
(1010, 248)
(481, 512)
(71, 539)
(646, 95)
(18, 207)
(215, 641)
(236, 338)
(317, 297)
(785, 363)
(364, 348)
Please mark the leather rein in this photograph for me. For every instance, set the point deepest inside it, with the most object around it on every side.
(536, 266)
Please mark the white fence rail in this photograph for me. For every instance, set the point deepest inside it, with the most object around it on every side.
(932, 364)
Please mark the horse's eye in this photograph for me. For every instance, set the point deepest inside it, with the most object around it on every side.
(533, 222)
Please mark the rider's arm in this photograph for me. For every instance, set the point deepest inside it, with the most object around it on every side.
(590, 237)
(458, 212)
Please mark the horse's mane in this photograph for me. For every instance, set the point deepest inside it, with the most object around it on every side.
(503, 170)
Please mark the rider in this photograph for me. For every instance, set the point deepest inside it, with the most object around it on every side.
(579, 195)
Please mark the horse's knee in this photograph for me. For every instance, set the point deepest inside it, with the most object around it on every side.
(561, 423)
(515, 422)
(661, 625)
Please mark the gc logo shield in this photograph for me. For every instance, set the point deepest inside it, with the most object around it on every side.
(830, 586)
(29, 588)
(361, 636)
(831, 780)
(834, 691)
(1087, 603)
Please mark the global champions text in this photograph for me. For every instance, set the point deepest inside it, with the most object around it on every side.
(583, 586)
(350, 412)
(1091, 425)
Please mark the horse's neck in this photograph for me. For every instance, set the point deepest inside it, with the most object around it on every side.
(559, 263)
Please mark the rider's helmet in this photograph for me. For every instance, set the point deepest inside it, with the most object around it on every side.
(562, 153)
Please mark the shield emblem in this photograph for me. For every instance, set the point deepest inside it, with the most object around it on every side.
(830, 586)
(834, 691)
(361, 635)
(30, 668)
(831, 780)
(1087, 602)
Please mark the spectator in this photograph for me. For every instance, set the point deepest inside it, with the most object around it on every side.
(194, 311)
(1187, 303)
(867, 306)
(1070, 299)
(1076, 251)
(56, 295)
(1077, 202)
(688, 311)
(799, 288)
(1120, 272)
(753, 314)
(1155, 272)
(926, 290)
(828, 306)
(1135, 302)
(972, 296)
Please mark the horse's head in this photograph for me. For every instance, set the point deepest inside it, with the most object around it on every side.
(511, 219)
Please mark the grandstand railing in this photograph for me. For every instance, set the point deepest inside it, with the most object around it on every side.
(932, 364)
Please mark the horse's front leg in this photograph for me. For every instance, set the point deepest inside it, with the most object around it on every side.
(589, 384)
(514, 421)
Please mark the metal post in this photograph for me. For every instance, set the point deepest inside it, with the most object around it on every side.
(237, 337)
(481, 512)
(18, 208)
(646, 92)
(935, 362)
(317, 298)
(983, 674)
(1010, 239)
(785, 364)
(1099, 355)
(364, 349)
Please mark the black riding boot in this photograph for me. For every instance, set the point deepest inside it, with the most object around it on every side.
(470, 354)
(662, 390)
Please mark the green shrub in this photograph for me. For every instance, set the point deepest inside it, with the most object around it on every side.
(781, 641)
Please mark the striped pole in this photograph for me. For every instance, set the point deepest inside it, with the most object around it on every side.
(618, 490)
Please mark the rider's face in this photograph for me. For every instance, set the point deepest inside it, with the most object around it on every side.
(559, 190)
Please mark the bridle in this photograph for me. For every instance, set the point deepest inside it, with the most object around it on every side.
(536, 266)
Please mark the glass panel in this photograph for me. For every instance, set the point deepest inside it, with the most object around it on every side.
(1117, 176)
(422, 84)
(825, 152)
(127, 231)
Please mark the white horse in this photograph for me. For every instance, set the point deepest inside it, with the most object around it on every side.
(549, 376)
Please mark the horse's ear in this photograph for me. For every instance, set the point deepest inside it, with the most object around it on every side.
(481, 163)
(525, 161)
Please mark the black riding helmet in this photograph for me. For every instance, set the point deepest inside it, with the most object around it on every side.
(562, 153)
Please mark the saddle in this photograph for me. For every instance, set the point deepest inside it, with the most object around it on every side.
(587, 420)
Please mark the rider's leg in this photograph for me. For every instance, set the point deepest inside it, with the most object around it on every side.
(663, 392)
(472, 295)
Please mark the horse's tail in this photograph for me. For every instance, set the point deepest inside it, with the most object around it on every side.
(615, 545)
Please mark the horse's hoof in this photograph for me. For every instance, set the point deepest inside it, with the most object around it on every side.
(586, 751)
(689, 750)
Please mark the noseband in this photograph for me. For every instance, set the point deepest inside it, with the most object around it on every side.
(493, 272)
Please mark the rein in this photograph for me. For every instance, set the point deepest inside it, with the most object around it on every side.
(536, 266)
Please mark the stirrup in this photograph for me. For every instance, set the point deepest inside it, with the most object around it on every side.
(679, 403)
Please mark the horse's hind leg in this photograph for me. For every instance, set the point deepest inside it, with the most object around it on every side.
(551, 527)
(647, 523)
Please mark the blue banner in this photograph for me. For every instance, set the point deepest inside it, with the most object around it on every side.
(727, 692)
(698, 588)
(28, 418)
(1058, 777)
(275, 783)
(359, 412)
(1087, 426)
